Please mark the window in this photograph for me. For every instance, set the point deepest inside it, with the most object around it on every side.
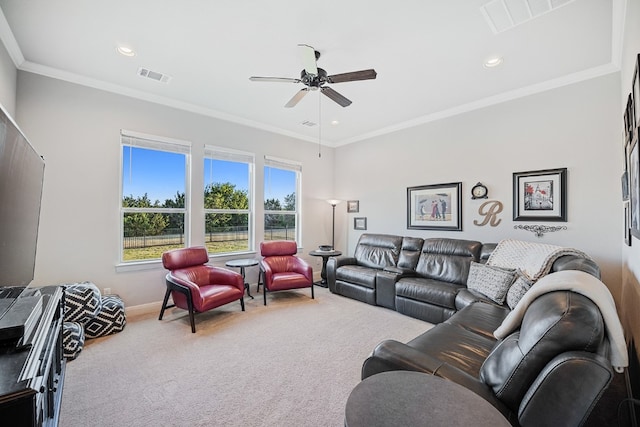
(228, 200)
(282, 199)
(154, 196)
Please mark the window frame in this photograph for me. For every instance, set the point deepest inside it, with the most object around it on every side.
(158, 143)
(296, 167)
(231, 155)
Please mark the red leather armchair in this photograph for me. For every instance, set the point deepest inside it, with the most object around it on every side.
(281, 270)
(197, 287)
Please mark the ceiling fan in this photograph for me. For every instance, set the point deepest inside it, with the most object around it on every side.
(315, 78)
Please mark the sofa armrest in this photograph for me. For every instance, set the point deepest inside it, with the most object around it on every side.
(333, 264)
(399, 271)
(566, 390)
(391, 355)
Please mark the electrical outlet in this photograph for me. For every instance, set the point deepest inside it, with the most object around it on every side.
(106, 291)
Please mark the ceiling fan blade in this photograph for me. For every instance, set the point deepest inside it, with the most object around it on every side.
(297, 97)
(274, 79)
(335, 96)
(308, 56)
(353, 76)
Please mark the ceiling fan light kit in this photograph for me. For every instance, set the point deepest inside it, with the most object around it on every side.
(315, 78)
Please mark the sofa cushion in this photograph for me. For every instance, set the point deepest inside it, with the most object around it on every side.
(480, 318)
(517, 290)
(431, 291)
(448, 259)
(455, 346)
(494, 282)
(357, 274)
(378, 250)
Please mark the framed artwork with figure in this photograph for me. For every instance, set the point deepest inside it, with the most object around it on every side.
(435, 207)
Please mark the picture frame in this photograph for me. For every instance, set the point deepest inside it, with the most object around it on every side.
(635, 116)
(634, 186)
(435, 207)
(540, 195)
(360, 223)
(629, 118)
(625, 186)
(627, 229)
(353, 206)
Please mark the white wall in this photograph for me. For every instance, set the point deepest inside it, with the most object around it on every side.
(576, 127)
(630, 255)
(77, 131)
(8, 82)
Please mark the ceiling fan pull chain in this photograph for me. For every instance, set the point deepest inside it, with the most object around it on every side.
(319, 126)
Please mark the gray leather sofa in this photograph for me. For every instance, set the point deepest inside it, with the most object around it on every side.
(549, 372)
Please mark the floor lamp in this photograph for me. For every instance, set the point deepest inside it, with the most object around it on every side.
(333, 204)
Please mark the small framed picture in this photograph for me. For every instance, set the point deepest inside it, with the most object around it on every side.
(435, 207)
(360, 223)
(540, 195)
(353, 206)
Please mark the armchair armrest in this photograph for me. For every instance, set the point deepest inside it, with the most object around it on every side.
(222, 276)
(566, 390)
(301, 266)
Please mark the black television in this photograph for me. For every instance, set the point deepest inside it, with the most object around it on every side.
(21, 182)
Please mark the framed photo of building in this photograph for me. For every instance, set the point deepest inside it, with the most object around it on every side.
(540, 195)
(435, 207)
(353, 206)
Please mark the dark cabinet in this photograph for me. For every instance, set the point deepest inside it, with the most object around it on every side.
(32, 366)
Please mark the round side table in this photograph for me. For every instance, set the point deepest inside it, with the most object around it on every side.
(325, 256)
(408, 398)
(242, 264)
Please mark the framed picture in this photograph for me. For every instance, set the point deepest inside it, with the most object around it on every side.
(634, 187)
(360, 223)
(353, 206)
(629, 118)
(636, 95)
(540, 195)
(625, 186)
(627, 230)
(435, 207)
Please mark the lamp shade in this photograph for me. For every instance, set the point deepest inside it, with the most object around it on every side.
(333, 202)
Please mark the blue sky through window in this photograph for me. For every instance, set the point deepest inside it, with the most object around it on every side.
(161, 174)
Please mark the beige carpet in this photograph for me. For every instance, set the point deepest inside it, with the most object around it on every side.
(291, 363)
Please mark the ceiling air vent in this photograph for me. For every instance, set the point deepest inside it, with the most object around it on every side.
(502, 15)
(154, 75)
(308, 123)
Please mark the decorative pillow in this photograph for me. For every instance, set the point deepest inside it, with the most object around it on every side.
(491, 281)
(520, 286)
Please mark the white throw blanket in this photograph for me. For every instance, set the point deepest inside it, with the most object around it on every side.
(533, 259)
(587, 285)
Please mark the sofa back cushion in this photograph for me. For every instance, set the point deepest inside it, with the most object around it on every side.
(448, 259)
(554, 323)
(410, 252)
(378, 250)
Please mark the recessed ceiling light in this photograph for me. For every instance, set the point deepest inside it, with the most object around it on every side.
(125, 50)
(493, 62)
(335, 122)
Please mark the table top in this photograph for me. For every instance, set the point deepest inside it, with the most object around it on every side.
(244, 262)
(318, 252)
(410, 398)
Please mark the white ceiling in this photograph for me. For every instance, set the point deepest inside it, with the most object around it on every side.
(428, 55)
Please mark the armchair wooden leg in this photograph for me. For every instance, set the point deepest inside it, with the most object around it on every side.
(164, 303)
(191, 314)
(242, 303)
(312, 296)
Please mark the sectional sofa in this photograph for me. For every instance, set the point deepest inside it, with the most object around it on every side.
(541, 347)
